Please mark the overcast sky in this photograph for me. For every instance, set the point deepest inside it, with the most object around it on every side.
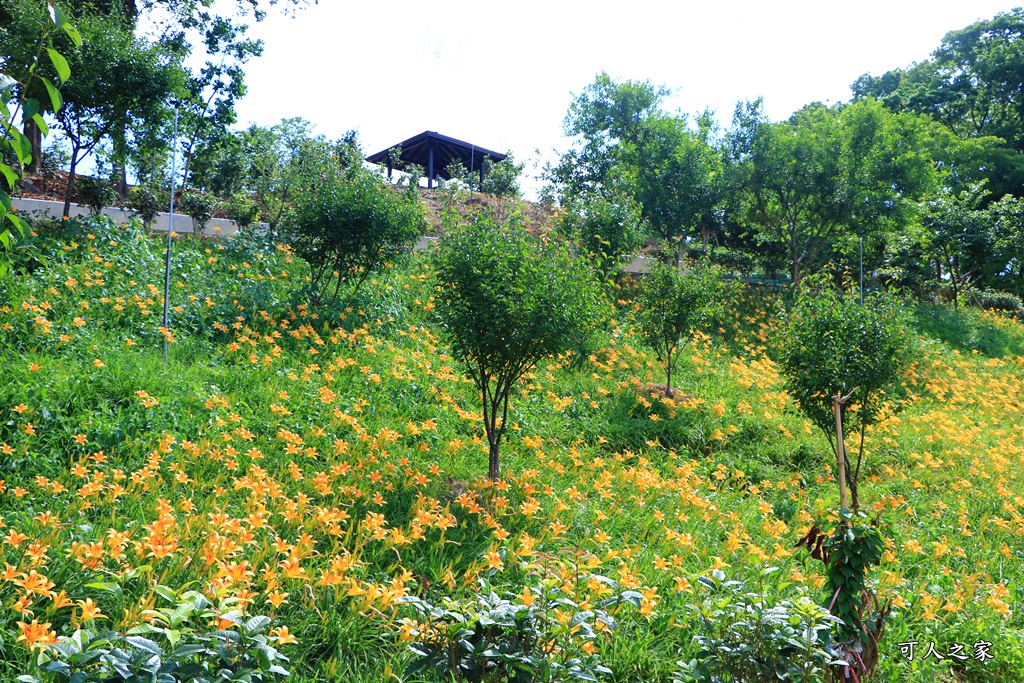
(501, 75)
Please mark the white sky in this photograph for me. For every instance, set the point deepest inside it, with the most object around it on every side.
(501, 75)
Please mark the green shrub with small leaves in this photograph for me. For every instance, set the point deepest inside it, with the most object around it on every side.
(609, 229)
(199, 207)
(145, 203)
(180, 643)
(833, 345)
(748, 636)
(96, 193)
(506, 300)
(241, 208)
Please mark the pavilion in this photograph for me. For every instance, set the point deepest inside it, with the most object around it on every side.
(434, 152)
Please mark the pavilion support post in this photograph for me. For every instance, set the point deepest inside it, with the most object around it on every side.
(389, 168)
(430, 166)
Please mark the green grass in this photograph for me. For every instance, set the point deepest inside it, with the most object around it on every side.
(652, 491)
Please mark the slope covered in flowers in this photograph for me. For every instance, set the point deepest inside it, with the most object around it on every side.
(319, 464)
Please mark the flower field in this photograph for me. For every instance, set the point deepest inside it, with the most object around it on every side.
(321, 465)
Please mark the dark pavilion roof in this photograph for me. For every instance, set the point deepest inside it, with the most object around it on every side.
(416, 150)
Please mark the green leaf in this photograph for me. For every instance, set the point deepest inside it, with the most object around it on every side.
(58, 17)
(73, 34)
(145, 644)
(18, 222)
(9, 174)
(55, 98)
(18, 143)
(43, 128)
(109, 586)
(29, 108)
(60, 64)
(5, 200)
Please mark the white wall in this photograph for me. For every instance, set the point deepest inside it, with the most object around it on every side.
(182, 223)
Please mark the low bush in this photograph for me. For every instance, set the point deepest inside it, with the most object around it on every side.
(755, 636)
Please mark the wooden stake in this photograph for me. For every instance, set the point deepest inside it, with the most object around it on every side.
(837, 402)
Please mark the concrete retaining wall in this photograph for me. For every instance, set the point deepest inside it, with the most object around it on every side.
(182, 223)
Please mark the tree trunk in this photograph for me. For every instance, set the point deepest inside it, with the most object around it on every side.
(668, 375)
(121, 172)
(35, 136)
(493, 473)
(69, 193)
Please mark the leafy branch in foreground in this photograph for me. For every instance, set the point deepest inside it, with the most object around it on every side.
(15, 104)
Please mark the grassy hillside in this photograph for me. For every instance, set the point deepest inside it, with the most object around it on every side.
(317, 465)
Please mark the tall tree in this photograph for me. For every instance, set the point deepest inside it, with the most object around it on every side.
(119, 81)
(974, 84)
(626, 141)
(827, 173)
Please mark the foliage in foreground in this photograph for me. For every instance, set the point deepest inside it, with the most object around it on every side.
(750, 636)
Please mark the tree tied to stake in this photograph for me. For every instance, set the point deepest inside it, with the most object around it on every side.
(834, 346)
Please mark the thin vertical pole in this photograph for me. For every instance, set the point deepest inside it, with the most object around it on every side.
(430, 164)
(840, 450)
(862, 270)
(170, 235)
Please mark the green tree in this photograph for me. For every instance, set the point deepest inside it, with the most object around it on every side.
(625, 140)
(507, 300)
(603, 116)
(120, 82)
(833, 346)
(610, 229)
(675, 303)
(827, 174)
(347, 223)
(974, 84)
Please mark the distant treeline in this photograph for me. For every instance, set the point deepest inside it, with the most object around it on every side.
(924, 164)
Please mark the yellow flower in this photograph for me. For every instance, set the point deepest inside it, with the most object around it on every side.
(90, 610)
(36, 634)
(283, 636)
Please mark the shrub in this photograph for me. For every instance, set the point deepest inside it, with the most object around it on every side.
(96, 193)
(240, 208)
(610, 229)
(199, 206)
(536, 634)
(347, 223)
(501, 179)
(176, 646)
(145, 203)
(1000, 301)
(674, 304)
(507, 300)
(751, 637)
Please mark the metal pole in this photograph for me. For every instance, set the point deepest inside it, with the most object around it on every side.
(862, 270)
(170, 236)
